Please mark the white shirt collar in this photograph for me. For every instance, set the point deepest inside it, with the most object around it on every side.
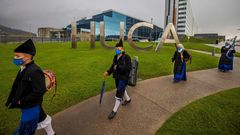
(22, 68)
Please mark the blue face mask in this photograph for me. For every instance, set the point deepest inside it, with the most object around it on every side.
(118, 52)
(18, 62)
(179, 50)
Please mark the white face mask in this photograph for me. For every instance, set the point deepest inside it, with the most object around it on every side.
(227, 45)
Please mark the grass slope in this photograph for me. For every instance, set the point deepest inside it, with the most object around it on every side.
(79, 73)
(201, 47)
(218, 114)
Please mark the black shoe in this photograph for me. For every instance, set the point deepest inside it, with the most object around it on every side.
(126, 102)
(112, 115)
(176, 81)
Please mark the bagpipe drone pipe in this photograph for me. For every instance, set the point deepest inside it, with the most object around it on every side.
(232, 47)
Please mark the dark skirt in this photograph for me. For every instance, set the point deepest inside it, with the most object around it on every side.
(180, 74)
(29, 121)
(226, 63)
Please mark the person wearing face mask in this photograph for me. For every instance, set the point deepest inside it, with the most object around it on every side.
(120, 69)
(27, 92)
(226, 59)
(180, 58)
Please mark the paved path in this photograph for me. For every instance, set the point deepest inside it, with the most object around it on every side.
(153, 102)
(209, 53)
(237, 48)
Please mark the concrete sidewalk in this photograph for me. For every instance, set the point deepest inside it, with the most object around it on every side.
(221, 44)
(204, 52)
(153, 102)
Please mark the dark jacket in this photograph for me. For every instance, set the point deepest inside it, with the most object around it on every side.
(123, 67)
(28, 88)
(178, 61)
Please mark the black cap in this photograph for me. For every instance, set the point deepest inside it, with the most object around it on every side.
(120, 43)
(26, 47)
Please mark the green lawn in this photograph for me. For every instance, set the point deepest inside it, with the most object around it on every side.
(218, 114)
(199, 40)
(201, 47)
(79, 73)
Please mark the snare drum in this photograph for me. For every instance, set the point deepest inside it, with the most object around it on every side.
(50, 79)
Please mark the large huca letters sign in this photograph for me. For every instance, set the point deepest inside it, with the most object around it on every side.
(170, 29)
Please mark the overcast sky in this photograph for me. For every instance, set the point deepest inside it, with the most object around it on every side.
(221, 16)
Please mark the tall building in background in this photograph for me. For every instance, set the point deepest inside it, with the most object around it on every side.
(179, 12)
(186, 24)
(170, 12)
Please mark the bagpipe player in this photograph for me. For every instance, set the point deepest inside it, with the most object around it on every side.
(227, 56)
(120, 69)
(180, 57)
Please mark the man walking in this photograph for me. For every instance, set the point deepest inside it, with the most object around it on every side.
(27, 91)
(120, 69)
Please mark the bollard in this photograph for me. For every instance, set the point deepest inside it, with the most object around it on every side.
(213, 51)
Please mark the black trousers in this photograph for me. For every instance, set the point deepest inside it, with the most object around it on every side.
(121, 87)
(42, 115)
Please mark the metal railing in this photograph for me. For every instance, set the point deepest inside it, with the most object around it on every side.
(20, 39)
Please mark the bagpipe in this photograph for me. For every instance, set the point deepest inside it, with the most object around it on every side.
(133, 75)
(51, 81)
(232, 47)
(186, 56)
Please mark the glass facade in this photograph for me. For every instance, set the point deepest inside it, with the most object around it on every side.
(112, 21)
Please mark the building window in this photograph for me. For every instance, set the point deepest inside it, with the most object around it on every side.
(181, 26)
(181, 21)
(184, 17)
(182, 4)
(181, 31)
(183, 8)
(182, 13)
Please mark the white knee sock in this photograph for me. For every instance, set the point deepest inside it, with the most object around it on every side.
(117, 103)
(47, 125)
(49, 130)
(126, 96)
